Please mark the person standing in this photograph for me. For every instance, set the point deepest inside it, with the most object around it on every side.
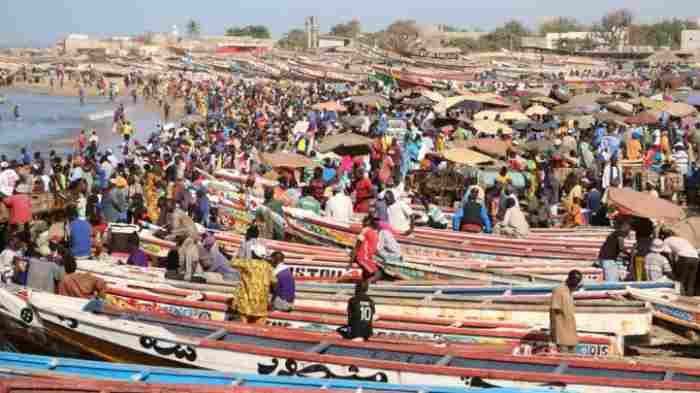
(80, 235)
(284, 292)
(562, 313)
(685, 261)
(361, 313)
(656, 266)
(611, 249)
(252, 296)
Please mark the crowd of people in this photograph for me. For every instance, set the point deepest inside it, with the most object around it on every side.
(160, 180)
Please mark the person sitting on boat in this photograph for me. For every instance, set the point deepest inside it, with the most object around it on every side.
(214, 261)
(137, 257)
(251, 298)
(399, 212)
(435, 216)
(309, 202)
(656, 266)
(472, 216)
(361, 312)
(284, 291)
(339, 206)
(81, 285)
(514, 223)
(562, 313)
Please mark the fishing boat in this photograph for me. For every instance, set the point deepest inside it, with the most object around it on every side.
(128, 337)
(671, 307)
(139, 375)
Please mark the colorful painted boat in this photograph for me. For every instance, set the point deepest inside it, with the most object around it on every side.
(671, 307)
(250, 349)
(44, 367)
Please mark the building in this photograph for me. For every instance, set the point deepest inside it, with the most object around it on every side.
(690, 40)
(333, 41)
(234, 45)
(83, 44)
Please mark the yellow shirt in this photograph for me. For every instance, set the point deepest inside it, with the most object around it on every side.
(251, 298)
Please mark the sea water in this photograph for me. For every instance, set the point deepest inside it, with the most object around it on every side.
(53, 122)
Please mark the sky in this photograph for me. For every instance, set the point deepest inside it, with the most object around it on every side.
(43, 22)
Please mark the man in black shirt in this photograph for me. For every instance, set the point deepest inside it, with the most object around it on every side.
(360, 315)
(611, 249)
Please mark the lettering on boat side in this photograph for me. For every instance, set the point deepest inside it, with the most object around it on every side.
(291, 369)
(27, 315)
(69, 322)
(180, 351)
(674, 312)
(322, 272)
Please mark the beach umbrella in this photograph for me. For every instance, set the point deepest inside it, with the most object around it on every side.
(513, 116)
(544, 100)
(679, 109)
(370, 100)
(286, 160)
(584, 121)
(345, 144)
(689, 229)
(623, 108)
(487, 115)
(491, 127)
(537, 110)
(419, 101)
(585, 99)
(644, 118)
(652, 104)
(465, 156)
(642, 204)
(608, 117)
(488, 99)
(489, 146)
(330, 106)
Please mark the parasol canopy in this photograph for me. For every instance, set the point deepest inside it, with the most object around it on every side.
(465, 156)
(537, 110)
(370, 100)
(491, 127)
(679, 109)
(644, 118)
(643, 204)
(330, 106)
(584, 99)
(488, 99)
(490, 146)
(345, 144)
(689, 229)
(622, 108)
(286, 160)
(544, 100)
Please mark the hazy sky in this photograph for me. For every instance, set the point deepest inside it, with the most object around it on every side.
(45, 21)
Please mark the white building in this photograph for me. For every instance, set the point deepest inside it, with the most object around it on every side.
(690, 40)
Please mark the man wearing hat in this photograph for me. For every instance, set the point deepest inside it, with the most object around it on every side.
(656, 265)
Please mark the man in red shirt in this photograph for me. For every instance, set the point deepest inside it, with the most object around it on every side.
(20, 206)
(363, 192)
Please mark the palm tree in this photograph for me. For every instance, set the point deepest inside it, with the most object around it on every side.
(193, 28)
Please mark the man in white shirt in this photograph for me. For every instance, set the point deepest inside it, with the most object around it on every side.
(8, 179)
(514, 223)
(612, 175)
(399, 213)
(684, 259)
(339, 206)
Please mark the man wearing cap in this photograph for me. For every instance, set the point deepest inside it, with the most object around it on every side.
(562, 313)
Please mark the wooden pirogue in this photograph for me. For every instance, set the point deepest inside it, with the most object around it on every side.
(150, 340)
(623, 319)
(324, 231)
(669, 306)
(328, 262)
(213, 307)
(103, 375)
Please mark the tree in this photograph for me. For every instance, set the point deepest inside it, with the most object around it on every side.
(506, 36)
(560, 25)
(255, 31)
(611, 31)
(294, 39)
(400, 35)
(194, 29)
(351, 29)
